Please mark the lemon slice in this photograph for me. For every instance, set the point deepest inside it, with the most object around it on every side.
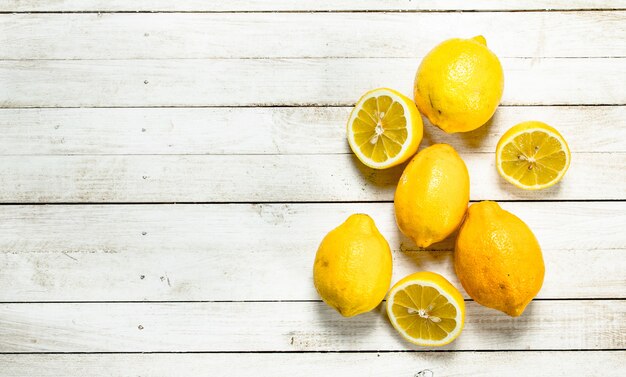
(384, 128)
(426, 309)
(532, 156)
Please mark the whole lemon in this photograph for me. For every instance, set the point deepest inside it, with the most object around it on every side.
(498, 259)
(352, 270)
(432, 195)
(459, 84)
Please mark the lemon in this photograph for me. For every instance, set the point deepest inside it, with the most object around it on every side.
(459, 84)
(432, 195)
(384, 128)
(498, 259)
(426, 309)
(532, 156)
(352, 270)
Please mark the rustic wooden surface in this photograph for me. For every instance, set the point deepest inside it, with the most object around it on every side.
(168, 168)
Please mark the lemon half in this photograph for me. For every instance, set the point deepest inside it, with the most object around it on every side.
(532, 156)
(426, 309)
(384, 128)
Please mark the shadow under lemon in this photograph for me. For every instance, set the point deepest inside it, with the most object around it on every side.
(553, 192)
(472, 141)
(438, 257)
(497, 329)
(358, 331)
(380, 178)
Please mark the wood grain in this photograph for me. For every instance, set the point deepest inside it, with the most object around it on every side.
(302, 5)
(279, 35)
(294, 326)
(270, 178)
(271, 82)
(264, 251)
(270, 130)
(480, 364)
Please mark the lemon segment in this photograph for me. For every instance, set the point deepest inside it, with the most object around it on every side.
(532, 156)
(384, 128)
(426, 309)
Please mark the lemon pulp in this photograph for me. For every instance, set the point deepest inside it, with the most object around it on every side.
(380, 128)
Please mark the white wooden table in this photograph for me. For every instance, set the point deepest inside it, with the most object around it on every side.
(168, 168)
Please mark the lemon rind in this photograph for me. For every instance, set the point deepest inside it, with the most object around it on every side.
(396, 97)
(419, 341)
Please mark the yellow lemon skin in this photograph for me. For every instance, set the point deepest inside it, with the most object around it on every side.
(352, 270)
(498, 259)
(459, 84)
(432, 195)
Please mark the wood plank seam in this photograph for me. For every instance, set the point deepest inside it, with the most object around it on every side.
(103, 11)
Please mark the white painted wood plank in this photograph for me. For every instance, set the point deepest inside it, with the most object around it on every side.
(279, 35)
(293, 326)
(480, 364)
(270, 130)
(269, 82)
(270, 178)
(301, 5)
(207, 252)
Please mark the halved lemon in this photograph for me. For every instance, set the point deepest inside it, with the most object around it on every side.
(384, 128)
(532, 155)
(426, 309)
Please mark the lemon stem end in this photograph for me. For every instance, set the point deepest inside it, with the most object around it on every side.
(480, 39)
